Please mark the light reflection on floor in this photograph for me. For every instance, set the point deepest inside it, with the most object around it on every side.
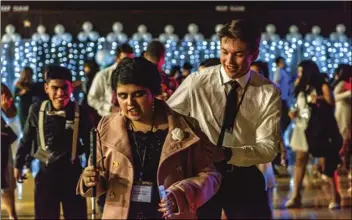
(315, 201)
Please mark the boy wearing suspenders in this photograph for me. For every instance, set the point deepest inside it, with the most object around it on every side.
(57, 127)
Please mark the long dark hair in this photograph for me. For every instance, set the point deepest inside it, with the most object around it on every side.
(345, 73)
(311, 77)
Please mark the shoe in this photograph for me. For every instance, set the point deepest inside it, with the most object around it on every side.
(293, 203)
(334, 206)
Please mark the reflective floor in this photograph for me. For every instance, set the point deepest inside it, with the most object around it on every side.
(315, 201)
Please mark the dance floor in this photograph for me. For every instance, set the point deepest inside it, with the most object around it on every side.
(315, 201)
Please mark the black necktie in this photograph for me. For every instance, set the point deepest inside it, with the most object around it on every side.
(231, 106)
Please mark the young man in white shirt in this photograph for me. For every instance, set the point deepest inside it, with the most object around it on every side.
(100, 93)
(244, 139)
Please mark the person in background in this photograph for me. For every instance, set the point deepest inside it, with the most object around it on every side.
(209, 62)
(147, 146)
(175, 72)
(186, 69)
(38, 90)
(90, 69)
(23, 91)
(155, 53)
(336, 75)
(312, 91)
(100, 94)
(8, 182)
(282, 80)
(59, 130)
(343, 96)
(261, 67)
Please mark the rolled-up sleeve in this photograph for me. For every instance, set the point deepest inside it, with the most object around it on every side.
(267, 137)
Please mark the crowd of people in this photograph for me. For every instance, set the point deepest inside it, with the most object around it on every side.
(190, 144)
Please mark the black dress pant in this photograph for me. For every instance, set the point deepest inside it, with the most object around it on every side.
(242, 195)
(56, 184)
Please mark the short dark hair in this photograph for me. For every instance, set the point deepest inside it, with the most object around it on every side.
(155, 49)
(278, 59)
(263, 66)
(175, 70)
(244, 30)
(138, 71)
(187, 66)
(210, 62)
(123, 48)
(345, 73)
(58, 72)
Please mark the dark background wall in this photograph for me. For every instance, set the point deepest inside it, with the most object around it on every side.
(158, 14)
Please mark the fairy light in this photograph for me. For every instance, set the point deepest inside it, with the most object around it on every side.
(327, 54)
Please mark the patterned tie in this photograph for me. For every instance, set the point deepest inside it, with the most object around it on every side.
(57, 113)
(231, 106)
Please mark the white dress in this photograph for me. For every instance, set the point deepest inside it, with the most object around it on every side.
(298, 139)
(343, 109)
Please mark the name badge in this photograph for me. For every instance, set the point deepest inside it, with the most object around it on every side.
(69, 125)
(229, 139)
(142, 192)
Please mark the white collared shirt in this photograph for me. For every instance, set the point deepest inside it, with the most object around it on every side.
(202, 95)
(100, 92)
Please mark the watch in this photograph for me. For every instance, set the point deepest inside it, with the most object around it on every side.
(227, 153)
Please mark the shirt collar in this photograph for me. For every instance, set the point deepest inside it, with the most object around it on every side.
(243, 80)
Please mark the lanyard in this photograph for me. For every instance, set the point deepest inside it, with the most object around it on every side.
(141, 157)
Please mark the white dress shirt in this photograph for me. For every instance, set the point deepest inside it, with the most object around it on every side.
(255, 135)
(100, 92)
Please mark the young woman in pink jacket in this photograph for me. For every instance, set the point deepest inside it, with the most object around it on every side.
(147, 146)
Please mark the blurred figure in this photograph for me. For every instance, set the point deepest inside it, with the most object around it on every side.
(90, 68)
(336, 75)
(38, 90)
(261, 67)
(23, 90)
(315, 132)
(100, 95)
(209, 62)
(155, 53)
(175, 72)
(343, 95)
(8, 136)
(282, 80)
(186, 69)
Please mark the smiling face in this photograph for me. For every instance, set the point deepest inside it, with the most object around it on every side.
(236, 57)
(59, 92)
(136, 102)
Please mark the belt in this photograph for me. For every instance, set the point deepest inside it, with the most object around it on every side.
(223, 167)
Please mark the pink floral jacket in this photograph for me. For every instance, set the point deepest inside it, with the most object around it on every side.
(185, 167)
